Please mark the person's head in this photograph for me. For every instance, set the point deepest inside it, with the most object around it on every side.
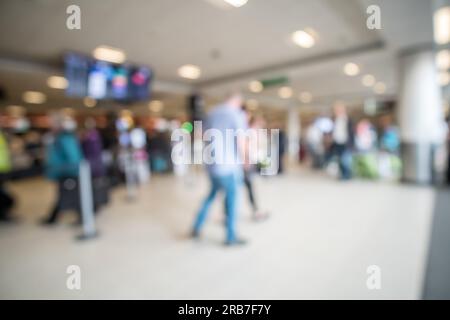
(56, 121)
(363, 126)
(385, 121)
(234, 100)
(339, 109)
(68, 124)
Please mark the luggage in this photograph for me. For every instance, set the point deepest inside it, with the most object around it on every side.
(159, 163)
(366, 165)
(377, 165)
(101, 192)
(69, 195)
(389, 166)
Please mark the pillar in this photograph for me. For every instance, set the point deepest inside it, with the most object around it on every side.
(420, 114)
(293, 133)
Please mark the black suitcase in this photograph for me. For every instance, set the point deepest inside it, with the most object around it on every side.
(100, 187)
(69, 194)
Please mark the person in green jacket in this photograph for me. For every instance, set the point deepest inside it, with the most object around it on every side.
(6, 200)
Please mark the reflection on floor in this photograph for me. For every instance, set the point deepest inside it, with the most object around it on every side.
(318, 243)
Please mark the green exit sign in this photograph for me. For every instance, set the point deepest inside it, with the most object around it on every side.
(272, 82)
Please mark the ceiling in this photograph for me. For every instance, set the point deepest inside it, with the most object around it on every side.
(232, 46)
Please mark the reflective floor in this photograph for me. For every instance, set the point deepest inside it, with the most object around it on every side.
(318, 243)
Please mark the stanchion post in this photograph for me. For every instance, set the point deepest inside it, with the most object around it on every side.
(130, 176)
(87, 204)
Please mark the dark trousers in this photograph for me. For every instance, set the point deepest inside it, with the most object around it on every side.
(280, 163)
(344, 159)
(448, 170)
(249, 185)
(6, 201)
(68, 198)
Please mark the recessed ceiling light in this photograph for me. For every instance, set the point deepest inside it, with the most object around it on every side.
(441, 22)
(252, 104)
(255, 86)
(303, 39)
(89, 102)
(155, 106)
(35, 97)
(379, 88)
(109, 54)
(305, 97)
(351, 69)
(236, 3)
(443, 59)
(189, 71)
(443, 78)
(368, 80)
(285, 92)
(57, 82)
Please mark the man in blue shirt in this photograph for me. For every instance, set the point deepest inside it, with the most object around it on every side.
(225, 129)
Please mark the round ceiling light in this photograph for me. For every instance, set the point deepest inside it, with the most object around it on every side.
(368, 80)
(303, 39)
(189, 71)
(285, 92)
(351, 69)
(255, 86)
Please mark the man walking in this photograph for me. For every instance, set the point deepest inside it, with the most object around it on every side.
(225, 169)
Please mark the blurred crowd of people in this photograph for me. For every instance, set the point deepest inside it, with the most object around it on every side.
(126, 151)
(117, 153)
(358, 149)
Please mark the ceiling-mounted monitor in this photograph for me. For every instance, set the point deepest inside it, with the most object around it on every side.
(103, 80)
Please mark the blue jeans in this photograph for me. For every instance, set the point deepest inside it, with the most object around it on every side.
(230, 185)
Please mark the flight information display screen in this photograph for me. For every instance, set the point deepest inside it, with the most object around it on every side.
(102, 80)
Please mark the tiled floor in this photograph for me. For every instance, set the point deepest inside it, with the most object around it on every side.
(321, 238)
